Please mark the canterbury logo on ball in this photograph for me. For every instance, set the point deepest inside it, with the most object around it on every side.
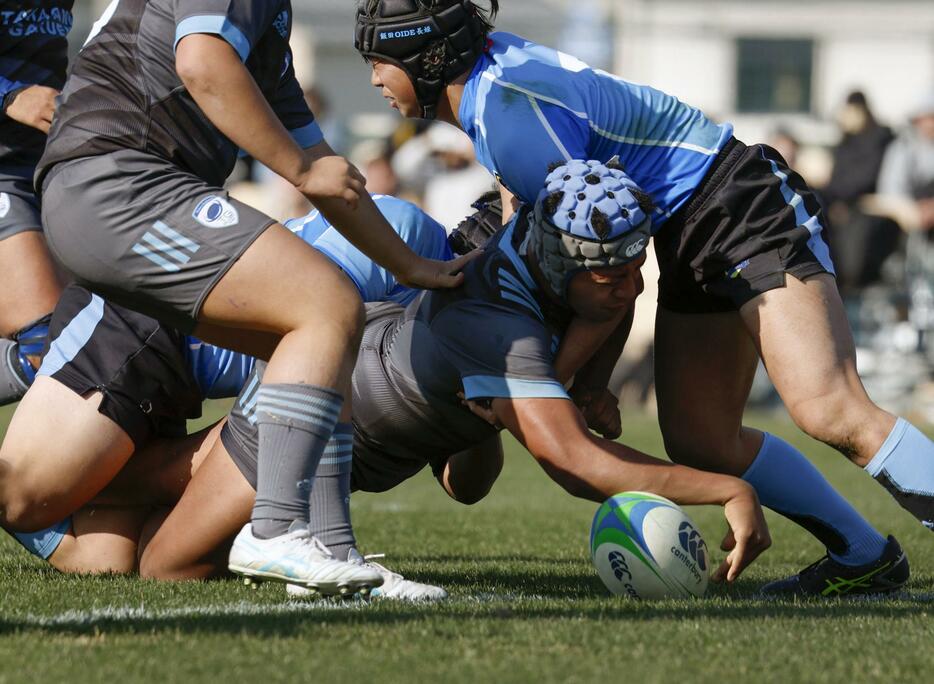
(622, 572)
(693, 544)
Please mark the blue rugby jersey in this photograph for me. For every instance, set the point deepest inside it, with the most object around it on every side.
(222, 373)
(33, 51)
(526, 106)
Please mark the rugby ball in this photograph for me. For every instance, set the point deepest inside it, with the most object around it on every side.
(645, 547)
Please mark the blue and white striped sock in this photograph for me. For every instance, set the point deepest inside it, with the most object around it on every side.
(294, 423)
(904, 465)
(789, 484)
(329, 505)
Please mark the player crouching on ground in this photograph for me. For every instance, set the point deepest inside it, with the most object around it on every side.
(493, 338)
(414, 362)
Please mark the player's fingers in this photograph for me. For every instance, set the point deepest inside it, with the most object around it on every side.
(738, 558)
(457, 265)
(729, 541)
(721, 571)
(351, 198)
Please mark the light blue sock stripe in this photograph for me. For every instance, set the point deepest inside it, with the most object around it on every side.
(330, 398)
(298, 401)
(314, 420)
(275, 407)
(335, 460)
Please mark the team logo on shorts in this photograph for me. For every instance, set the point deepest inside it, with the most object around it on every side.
(4, 204)
(215, 212)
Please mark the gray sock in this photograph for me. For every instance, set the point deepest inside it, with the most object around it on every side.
(12, 383)
(329, 503)
(294, 423)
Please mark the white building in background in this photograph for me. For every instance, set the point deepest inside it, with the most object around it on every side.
(758, 62)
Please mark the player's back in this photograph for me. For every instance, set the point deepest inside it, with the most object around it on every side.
(527, 106)
(124, 93)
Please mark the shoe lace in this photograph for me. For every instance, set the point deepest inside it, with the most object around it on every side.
(368, 559)
(318, 546)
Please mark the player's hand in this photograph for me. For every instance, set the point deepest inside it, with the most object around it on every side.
(34, 107)
(747, 537)
(332, 177)
(431, 274)
(482, 410)
(600, 409)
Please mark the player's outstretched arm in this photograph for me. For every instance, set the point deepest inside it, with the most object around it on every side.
(589, 467)
(225, 91)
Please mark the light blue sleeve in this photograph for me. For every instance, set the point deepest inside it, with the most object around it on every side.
(525, 135)
(424, 236)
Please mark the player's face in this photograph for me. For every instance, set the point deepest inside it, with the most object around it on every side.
(396, 87)
(603, 293)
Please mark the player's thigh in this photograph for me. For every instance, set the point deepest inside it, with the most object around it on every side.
(468, 475)
(704, 367)
(102, 539)
(161, 469)
(807, 347)
(58, 453)
(280, 283)
(194, 540)
(30, 284)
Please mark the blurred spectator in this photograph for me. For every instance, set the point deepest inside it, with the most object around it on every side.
(333, 128)
(908, 170)
(374, 159)
(860, 242)
(439, 165)
(460, 181)
(786, 144)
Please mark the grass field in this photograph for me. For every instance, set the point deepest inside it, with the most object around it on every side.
(525, 605)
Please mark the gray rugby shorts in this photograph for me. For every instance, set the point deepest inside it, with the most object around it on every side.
(19, 209)
(144, 233)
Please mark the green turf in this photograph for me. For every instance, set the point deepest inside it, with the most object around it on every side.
(525, 606)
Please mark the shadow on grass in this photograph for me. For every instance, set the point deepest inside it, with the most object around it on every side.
(292, 619)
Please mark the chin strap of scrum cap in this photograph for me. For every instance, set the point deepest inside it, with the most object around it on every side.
(432, 41)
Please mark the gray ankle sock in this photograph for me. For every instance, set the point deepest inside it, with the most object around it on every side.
(12, 383)
(329, 503)
(294, 423)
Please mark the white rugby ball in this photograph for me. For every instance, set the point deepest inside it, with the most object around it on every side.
(645, 547)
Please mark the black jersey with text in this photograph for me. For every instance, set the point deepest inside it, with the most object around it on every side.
(123, 91)
(33, 51)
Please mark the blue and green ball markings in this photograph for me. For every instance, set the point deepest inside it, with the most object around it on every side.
(627, 561)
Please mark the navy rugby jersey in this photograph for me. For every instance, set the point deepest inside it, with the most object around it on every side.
(33, 51)
(526, 106)
(123, 91)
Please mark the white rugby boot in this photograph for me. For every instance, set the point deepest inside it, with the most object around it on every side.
(394, 585)
(299, 558)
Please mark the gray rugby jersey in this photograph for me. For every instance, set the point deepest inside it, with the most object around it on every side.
(123, 91)
(33, 51)
(489, 338)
